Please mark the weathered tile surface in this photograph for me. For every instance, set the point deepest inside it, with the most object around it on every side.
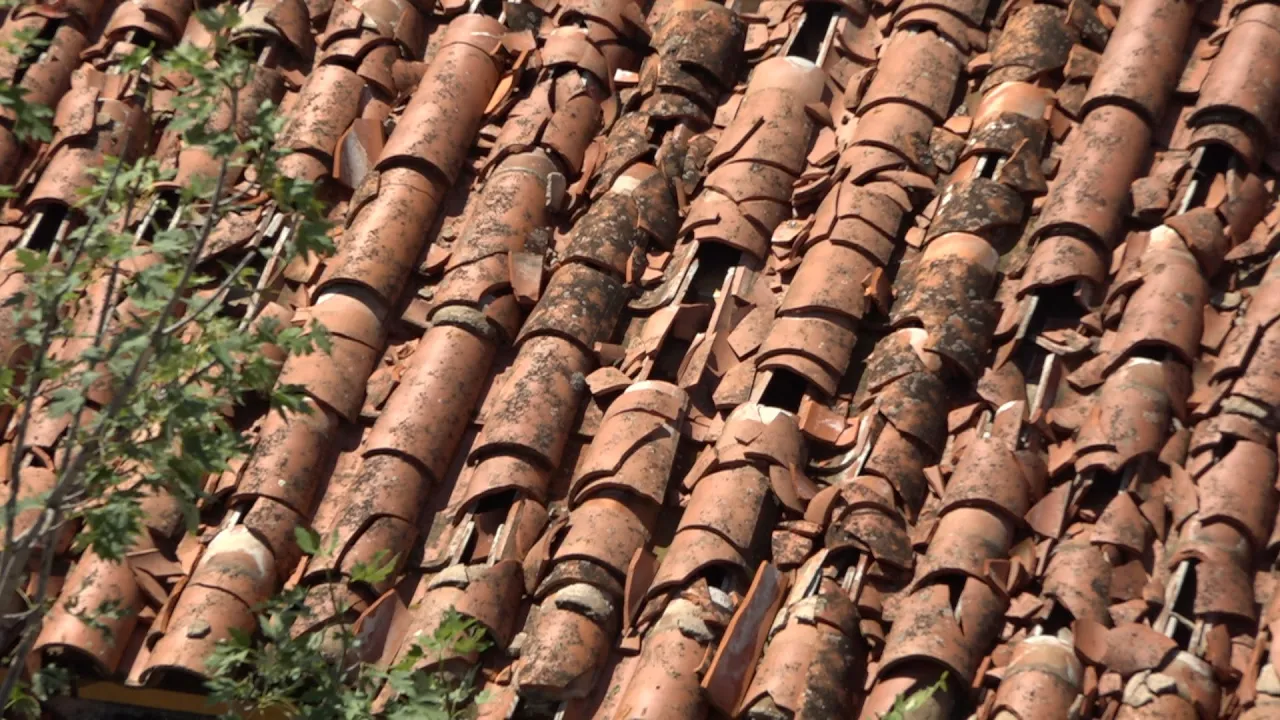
(762, 360)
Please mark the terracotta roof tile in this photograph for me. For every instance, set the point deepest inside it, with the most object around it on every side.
(767, 359)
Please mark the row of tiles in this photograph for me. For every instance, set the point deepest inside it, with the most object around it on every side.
(914, 316)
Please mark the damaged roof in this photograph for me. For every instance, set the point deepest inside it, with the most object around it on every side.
(758, 360)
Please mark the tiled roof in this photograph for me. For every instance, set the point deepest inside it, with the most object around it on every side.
(767, 360)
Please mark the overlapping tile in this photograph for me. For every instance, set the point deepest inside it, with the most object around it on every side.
(389, 215)
(100, 113)
(1116, 531)
(764, 360)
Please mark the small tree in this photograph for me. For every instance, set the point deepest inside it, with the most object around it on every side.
(143, 342)
(136, 339)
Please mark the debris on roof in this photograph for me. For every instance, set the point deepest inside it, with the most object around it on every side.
(768, 359)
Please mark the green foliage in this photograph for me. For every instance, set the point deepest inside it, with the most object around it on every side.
(24, 700)
(30, 120)
(282, 672)
(438, 695)
(904, 707)
(320, 675)
(141, 339)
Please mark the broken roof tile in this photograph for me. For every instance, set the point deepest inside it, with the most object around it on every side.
(957, 326)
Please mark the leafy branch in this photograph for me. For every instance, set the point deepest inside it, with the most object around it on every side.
(132, 342)
(293, 673)
(137, 339)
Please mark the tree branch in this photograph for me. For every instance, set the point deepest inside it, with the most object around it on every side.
(75, 464)
(222, 289)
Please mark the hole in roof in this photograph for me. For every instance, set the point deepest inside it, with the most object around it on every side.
(1184, 606)
(666, 366)
(141, 38)
(257, 46)
(162, 213)
(45, 233)
(988, 163)
(1216, 160)
(813, 31)
(1059, 617)
(72, 659)
(177, 680)
(715, 260)
(661, 126)
(1159, 352)
(32, 52)
(533, 707)
(785, 390)
(496, 501)
(1225, 446)
(1065, 313)
(724, 577)
(1099, 493)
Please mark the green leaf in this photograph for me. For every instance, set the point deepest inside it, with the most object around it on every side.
(903, 705)
(31, 262)
(32, 121)
(239, 637)
(382, 565)
(182, 399)
(308, 540)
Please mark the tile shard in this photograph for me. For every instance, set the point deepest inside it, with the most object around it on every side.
(811, 665)
(351, 302)
(235, 574)
(618, 499)
(1115, 558)
(1126, 98)
(84, 136)
(752, 169)
(94, 583)
(402, 194)
(713, 542)
(955, 322)
(1227, 90)
(408, 451)
(501, 514)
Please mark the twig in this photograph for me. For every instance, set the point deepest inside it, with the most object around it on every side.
(75, 465)
(11, 559)
(29, 629)
(219, 291)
